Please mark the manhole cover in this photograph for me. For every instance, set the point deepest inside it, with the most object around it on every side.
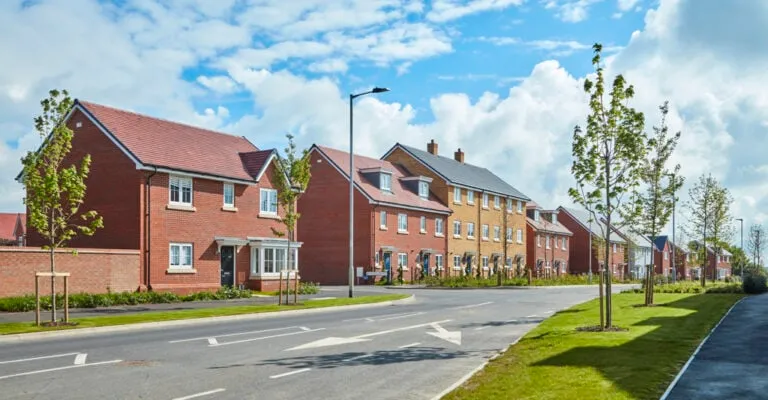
(138, 363)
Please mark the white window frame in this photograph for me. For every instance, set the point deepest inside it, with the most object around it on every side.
(666, 255)
(519, 236)
(557, 244)
(423, 224)
(496, 233)
(268, 192)
(181, 266)
(228, 187)
(519, 206)
(485, 200)
(509, 235)
(180, 182)
(509, 205)
(383, 220)
(497, 202)
(439, 262)
(485, 230)
(614, 247)
(388, 180)
(456, 262)
(402, 227)
(547, 242)
(470, 197)
(485, 262)
(470, 230)
(424, 190)
(538, 240)
(258, 259)
(565, 241)
(456, 232)
(439, 227)
(400, 258)
(457, 195)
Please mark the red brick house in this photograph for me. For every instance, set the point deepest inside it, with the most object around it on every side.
(198, 204)
(13, 227)
(548, 242)
(662, 256)
(586, 232)
(398, 220)
(718, 266)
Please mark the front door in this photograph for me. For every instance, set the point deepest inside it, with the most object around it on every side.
(388, 265)
(227, 266)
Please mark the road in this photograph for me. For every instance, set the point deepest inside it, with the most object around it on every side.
(413, 350)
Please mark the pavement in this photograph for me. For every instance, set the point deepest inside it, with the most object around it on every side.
(408, 350)
(733, 363)
(329, 292)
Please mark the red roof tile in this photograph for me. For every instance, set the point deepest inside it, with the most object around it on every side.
(401, 195)
(172, 145)
(8, 225)
(254, 161)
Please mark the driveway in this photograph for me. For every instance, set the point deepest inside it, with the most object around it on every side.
(733, 364)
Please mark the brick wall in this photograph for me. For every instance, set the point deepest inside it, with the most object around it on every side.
(92, 270)
(551, 255)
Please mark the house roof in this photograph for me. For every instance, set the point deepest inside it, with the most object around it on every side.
(660, 242)
(542, 225)
(8, 225)
(637, 239)
(582, 217)
(462, 173)
(161, 143)
(710, 249)
(401, 195)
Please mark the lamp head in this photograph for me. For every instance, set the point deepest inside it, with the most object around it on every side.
(379, 90)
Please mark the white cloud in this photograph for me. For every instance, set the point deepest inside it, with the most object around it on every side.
(626, 5)
(447, 10)
(570, 10)
(328, 66)
(221, 84)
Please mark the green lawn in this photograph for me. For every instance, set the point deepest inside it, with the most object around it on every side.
(154, 316)
(554, 361)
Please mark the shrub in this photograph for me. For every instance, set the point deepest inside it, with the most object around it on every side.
(754, 284)
(309, 288)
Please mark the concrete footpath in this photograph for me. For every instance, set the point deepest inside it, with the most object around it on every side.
(330, 292)
(733, 363)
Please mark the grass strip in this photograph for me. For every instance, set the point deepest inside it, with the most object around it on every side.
(554, 361)
(156, 316)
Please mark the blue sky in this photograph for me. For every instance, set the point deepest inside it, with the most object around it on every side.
(501, 79)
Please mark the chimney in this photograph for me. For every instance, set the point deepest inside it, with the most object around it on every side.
(459, 156)
(432, 147)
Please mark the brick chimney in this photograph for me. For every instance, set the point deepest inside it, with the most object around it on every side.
(432, 147)
(459, 156)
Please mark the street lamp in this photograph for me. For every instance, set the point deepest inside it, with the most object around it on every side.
(352, 189)
(742, 245)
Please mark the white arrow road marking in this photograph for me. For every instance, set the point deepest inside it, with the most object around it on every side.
(472, 306)
(201, 394)
(333, 341)
(59, 369)
(80, 358)
(450, 336)
(409, 345)
(298, 371)
(212, 341)
(38, 358)
(265, 337)
(237, 334)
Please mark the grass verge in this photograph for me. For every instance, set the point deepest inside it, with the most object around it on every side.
(156, 316)
(554, 361)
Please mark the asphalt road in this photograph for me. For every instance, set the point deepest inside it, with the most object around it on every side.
(413, 350)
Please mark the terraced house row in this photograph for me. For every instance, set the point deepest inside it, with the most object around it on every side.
(197, 209)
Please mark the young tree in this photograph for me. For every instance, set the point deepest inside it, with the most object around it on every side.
(710, 216)
(756, 243)
(661, 185)
(55, 185)
(607, 157)
(722, 221)
(292, 174)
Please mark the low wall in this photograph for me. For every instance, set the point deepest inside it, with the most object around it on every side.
(91, 270)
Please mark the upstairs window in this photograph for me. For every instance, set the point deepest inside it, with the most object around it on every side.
(439, 226)
(383, 219)
(423, 224)
(402, 222)
(520, 206)
(496, 233)
(485, 231)
(564, 241)
(547, 241)
(509, 234)
(180, 190)
(509, 205)
(268, 203)
(457, 195)
(496, 202)
(470, 197)
(485, 200)
(456, 228)
(423, 189)
(519, 236)
(470, 229)
(229, 195)
(535, 215)
(385, 182)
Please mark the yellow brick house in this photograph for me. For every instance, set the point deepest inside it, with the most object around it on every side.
(488, 213)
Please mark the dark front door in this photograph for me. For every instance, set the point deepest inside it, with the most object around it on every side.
(388, 265)
(227, 266)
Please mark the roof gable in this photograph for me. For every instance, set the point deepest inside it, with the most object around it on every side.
(161, 143)
(462, 173)
(400, 194)
(583, 219)
(8, 223)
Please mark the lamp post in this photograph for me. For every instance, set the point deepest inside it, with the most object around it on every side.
(352, 188)
(742, 245)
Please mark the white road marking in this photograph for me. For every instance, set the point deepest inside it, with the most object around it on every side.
(322, 298)
(358, 357)
(59, 369)
(400, 316)
(409, 345)
(472, 306)
(234, 334)
(38, 358)
(531, 316)
(265, 337)
(80, 359)
(304, 328)
(333, 341)
(442, 333)
(548, 312)
(201, 394)
(510, 320)
(298, 371)
(212, 341)
(379, 317)
(480, 328)
(405, 328)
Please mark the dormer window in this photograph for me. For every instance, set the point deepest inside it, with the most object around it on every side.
(423, 189)
(385, 182)
(554, 218)
(536, 215)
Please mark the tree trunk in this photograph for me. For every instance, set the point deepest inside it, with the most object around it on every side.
(53, 284)
(608, 312)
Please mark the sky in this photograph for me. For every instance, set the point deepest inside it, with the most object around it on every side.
(500, 79)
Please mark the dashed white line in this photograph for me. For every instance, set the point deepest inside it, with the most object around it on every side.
(201, 394)
(548, 312)
(233, 334)
(38, 358)
(510, 320)
(212, 341)
(298, 371)
(531, 316)
(80, 359)
(401, 316)
(409, 345)
(358, 357)
(380, 317)
(59, 369)
(480, 328)
(472, 306)
(264, 337)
